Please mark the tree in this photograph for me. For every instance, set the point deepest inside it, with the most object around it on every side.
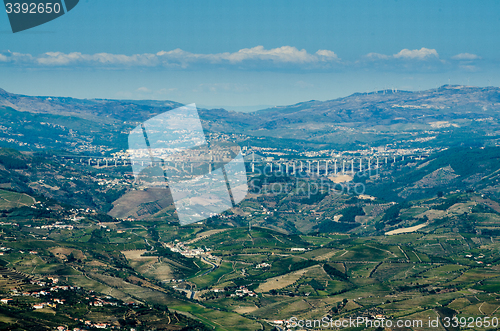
(71, 257)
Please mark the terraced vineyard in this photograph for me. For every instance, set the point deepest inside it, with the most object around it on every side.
(272, 257)
(415, 275)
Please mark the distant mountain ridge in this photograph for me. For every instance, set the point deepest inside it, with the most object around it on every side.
(446, 100)
(436, 103)
(104, 108)
(446, 114)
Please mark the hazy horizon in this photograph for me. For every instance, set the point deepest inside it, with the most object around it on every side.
(244, 56)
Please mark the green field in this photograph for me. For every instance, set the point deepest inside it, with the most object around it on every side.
(9, 200)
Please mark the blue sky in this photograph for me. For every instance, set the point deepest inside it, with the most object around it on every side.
(252, 53)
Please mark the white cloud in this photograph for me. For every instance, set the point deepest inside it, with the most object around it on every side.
(377, 56)
(284, 54)
(418, 54)
(258, 58)
(58, 58)
(465, 56)
(62, 59)
(13, 57)
(408, 60)
(405, 54)
(143, 90)
(327, 55)
(175, 58)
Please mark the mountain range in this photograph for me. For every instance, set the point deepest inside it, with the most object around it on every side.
(449, 115)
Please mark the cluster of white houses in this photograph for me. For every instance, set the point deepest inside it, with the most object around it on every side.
(180, 248)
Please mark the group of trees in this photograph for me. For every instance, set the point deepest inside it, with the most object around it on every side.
(346, 223)
(334, 273)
